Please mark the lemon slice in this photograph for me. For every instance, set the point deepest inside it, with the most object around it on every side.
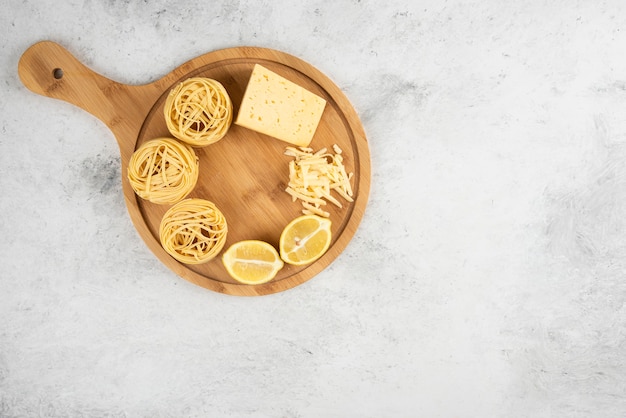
(305, 239)
(252, 261)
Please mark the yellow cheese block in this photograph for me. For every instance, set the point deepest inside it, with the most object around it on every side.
(277, 107)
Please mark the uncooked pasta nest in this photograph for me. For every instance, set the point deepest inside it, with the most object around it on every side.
(163, 170)
(193, 231)
(198, 111)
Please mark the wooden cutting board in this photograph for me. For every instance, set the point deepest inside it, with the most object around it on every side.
(244, 174)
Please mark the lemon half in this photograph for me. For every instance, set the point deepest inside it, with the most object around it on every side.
(252, 261)
(305, 239)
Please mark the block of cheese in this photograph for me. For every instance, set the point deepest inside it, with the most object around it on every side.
(277, 107)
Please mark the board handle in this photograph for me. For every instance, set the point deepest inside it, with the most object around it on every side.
(49, 69)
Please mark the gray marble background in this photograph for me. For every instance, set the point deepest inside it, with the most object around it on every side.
(487, 278)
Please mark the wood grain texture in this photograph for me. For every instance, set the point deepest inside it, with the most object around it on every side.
(244, 174)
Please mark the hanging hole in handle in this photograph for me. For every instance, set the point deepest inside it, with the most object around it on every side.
(57, 73)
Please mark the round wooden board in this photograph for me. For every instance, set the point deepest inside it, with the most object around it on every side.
(245, 174)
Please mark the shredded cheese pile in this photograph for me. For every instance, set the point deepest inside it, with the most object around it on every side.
(314, 175)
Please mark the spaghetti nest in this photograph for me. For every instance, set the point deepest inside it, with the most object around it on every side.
(193, 231)
(198, 111)
(163, 170)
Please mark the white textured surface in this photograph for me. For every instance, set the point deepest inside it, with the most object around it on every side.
(488, 278)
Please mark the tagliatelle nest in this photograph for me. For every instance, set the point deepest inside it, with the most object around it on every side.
(198, 111)
(163, 170)
(193, 231)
